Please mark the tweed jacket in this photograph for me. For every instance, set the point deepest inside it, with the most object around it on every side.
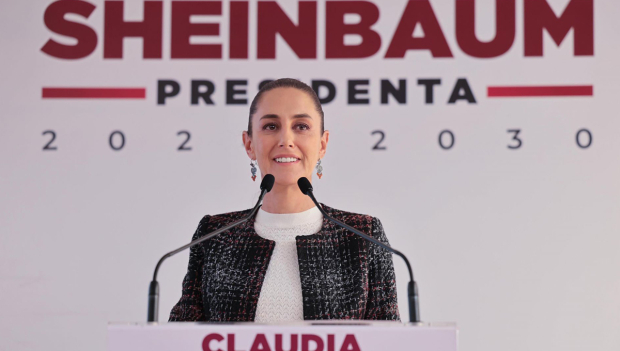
(342, 275)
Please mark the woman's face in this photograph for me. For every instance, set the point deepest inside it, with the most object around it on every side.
(286, 135)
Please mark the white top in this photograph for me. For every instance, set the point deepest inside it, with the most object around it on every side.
(280, 298)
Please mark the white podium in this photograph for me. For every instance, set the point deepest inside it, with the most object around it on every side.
(325, 335)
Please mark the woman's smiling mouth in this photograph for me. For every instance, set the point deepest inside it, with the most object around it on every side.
(286, 159)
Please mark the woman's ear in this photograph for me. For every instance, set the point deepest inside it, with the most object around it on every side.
(324, 141)
(247, 144)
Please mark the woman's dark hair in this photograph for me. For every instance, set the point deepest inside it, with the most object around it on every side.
(286, 83)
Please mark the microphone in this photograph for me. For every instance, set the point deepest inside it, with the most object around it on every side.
(412, 289)
(153, 306)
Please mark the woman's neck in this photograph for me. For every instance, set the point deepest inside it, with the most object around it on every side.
(286, 199)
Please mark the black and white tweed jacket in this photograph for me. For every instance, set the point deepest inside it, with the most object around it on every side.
(342, 275)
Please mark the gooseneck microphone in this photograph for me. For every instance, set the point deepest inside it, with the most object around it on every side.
(153, 308)
(412, 289)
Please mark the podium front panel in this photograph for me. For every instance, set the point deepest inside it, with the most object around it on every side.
(302, 336)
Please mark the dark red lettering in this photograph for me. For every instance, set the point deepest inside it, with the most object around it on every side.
(350, 343)
(230, 341)
(336, 29)
(272, 20)
(579, 15)
(182, 30)
(207, 340)
(260, 343)
(238, 30)
(305, 342)
(279, 343)
(418, 11)
(116, 28)
(55, 21)
(466, 29)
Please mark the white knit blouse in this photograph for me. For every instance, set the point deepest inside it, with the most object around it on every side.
(280, 298)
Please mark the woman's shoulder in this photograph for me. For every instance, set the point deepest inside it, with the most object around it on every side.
(227, 217)
(214, 221)
(347, 216)
(364, 222)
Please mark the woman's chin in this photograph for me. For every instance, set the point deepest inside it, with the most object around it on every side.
(285, 180)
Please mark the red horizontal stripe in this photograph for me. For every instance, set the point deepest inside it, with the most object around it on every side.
(556, 90)
(94, 93)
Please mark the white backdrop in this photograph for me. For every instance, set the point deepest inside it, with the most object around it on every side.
(520, 247)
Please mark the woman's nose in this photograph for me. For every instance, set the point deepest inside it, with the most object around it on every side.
(286, 139)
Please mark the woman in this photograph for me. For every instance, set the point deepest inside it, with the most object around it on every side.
(288, 263)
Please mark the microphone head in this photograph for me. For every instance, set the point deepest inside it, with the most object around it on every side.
(267, 182)
(304, 185)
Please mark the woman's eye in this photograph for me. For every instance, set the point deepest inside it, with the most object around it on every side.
(303, 126)
(269, 127)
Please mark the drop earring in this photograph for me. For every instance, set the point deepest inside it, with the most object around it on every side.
(253, 169)
(319, 169)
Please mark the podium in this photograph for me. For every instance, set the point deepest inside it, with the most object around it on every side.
(323, 335)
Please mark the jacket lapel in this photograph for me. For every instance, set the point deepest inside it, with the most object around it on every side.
(237, 263)
(334, 270)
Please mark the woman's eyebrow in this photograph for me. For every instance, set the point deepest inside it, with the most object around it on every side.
(271, 115)
(274, 116)
(302, 115)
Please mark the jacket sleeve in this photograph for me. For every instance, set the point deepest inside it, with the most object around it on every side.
(190, 307)
(382, 302)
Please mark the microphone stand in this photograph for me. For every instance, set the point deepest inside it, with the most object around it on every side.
(412, 287)
(153, 304)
